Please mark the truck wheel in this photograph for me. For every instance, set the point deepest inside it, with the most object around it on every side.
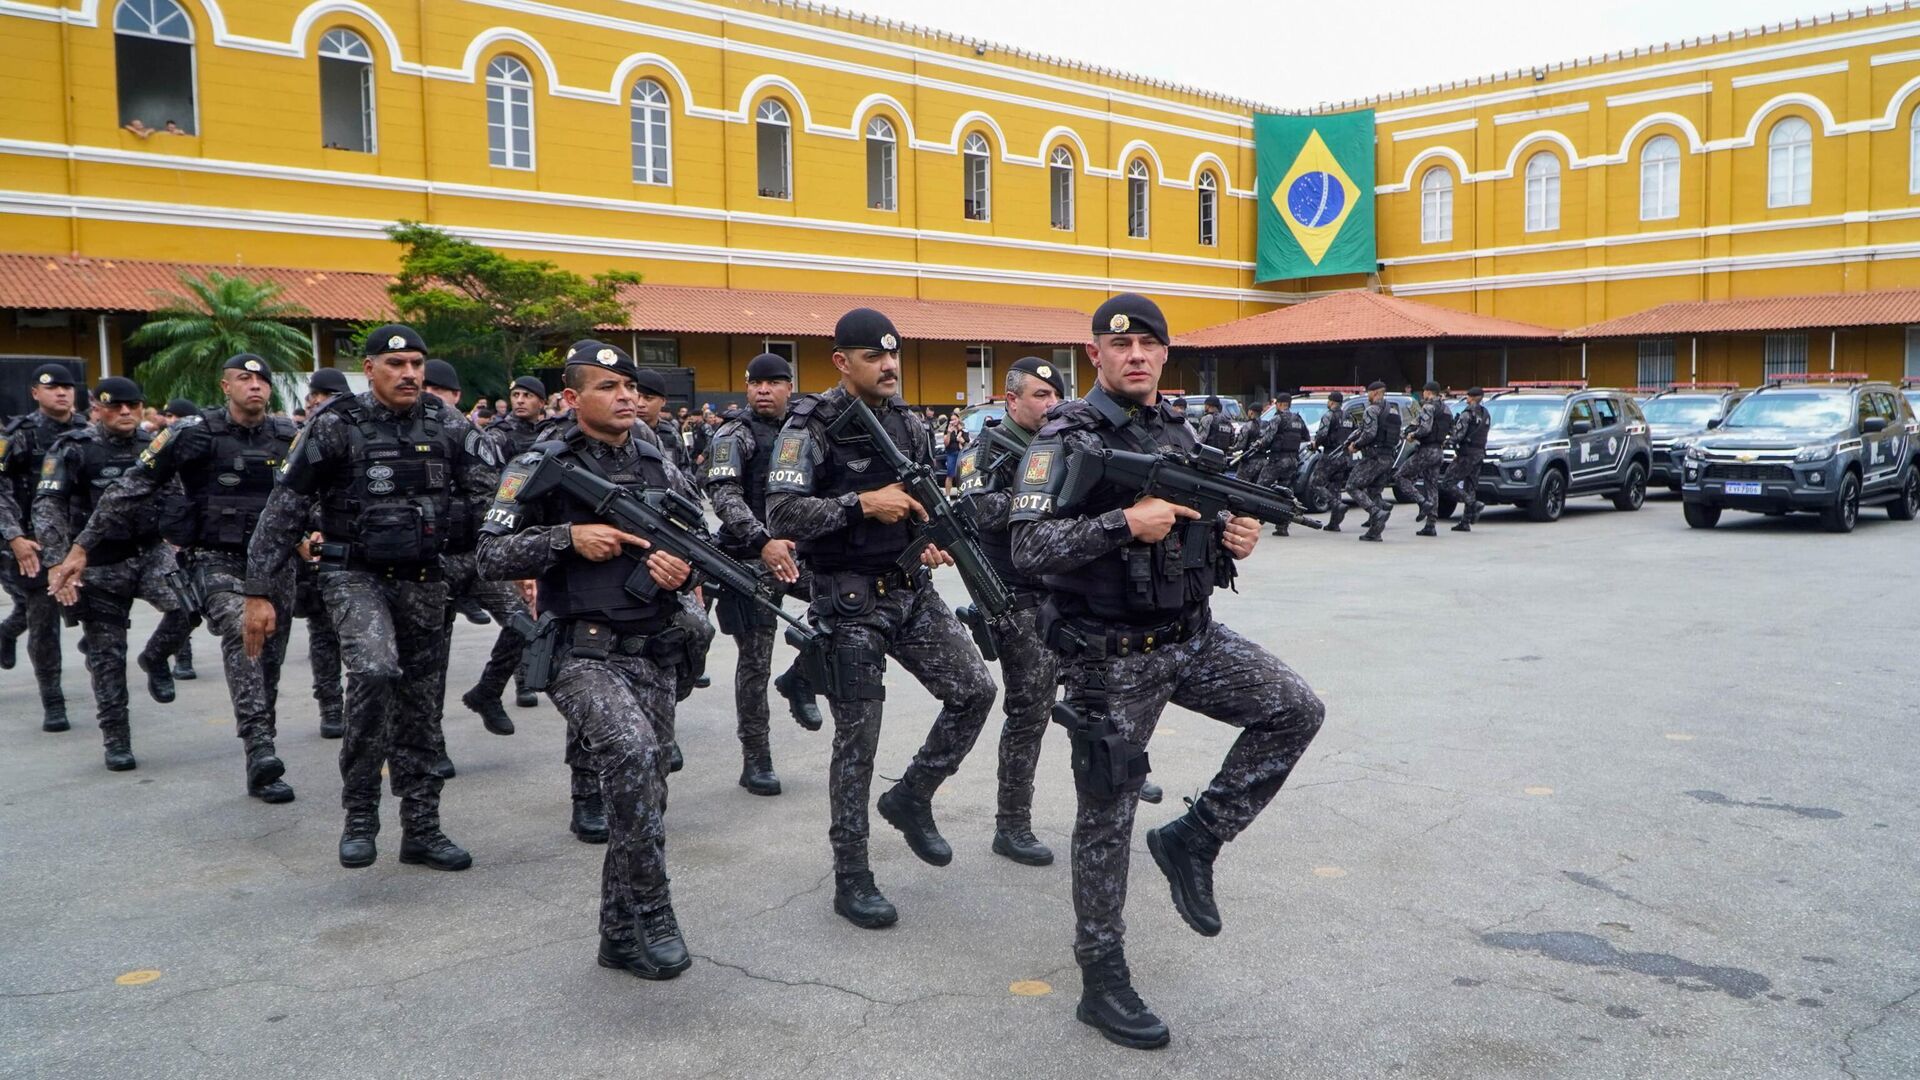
(1701, 516)
(1552, 498)
(1907, 506)
(1845, 511)
(1634, 493)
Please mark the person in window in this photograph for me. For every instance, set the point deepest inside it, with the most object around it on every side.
(955, 441)
(173, 129)
(139, 129)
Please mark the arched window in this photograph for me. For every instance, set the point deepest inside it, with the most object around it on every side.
(153, 63)
(1660, 179)
(1913, 153)
(882, 164)
(773, 140)
(1436, 206)
(1790, 163)
(1209, 191)
(647, 120)
(976, 178)
(1060, 180)
(1543, 192)
(346, 91)
(509, 113)
(1137, 199)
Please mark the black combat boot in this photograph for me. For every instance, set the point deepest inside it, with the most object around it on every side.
(1150, 792)
(800, 700)
(1336, 514)
(159, 679)
(264, 770)
(660, 953)
(1429, 530)
(756, 771)
(702, 681)
(183, 662)
(675, 759)
(589, 819)
(1463, 526)
(1184, 849)
(53, 707)
(913, 816)
(523, 697)
(1109, 1005)
(493, 715)
(432, 848)
(356, 840)
(857, 899)
(442, 767)
(9, 648)
(1018, 843)
(470, 607)
(1376, 524)
(119, 744)
(332, 724)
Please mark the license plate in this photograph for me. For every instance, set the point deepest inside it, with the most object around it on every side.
(1743, 488)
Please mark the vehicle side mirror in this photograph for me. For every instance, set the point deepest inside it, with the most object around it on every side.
(1713, 423)
(1580, 427)
(1873, 424)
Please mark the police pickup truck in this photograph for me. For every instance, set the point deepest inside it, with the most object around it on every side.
(1552, 440)
(1679, 414)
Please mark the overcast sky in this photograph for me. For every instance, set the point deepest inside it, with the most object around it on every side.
(1283, 53)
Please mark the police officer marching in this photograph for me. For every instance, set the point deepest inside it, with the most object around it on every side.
(1215, 429)
(853, 521)
(514, 434)
(183, 671)
(1128, 610)
(323, 642)
(661, 429)
(129, 562)
(615, 665)
(1330, 473)
(738, 463)
(1283, 438)
(1377, 437)
(1419, 477)
(1469, 442)
(24, 443)
(385, 469)
(225, 460)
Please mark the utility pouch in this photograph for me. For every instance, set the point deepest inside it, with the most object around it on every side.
(589, 641)
(394, 534)
(851, 595)
(1105, 765)
(542, 656)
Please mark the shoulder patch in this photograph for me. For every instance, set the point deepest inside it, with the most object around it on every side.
(789, 452)
(1039, 467)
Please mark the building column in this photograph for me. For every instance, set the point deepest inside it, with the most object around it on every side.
(313, 335)
(106, 355)
(1429, 361)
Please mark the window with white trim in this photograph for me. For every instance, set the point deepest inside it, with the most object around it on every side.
(1660, 180)
(1137, 205)
(346, 91)
(976, 171)
(1436, 206)
(1786, 354)
(773, 145)
(882, 165)
(1060, 182)
(1543, 192)
(1790, 163)
(648, 120)
(1913, 153)
(1656, 362)
(153, 66)
(509, 113)
(1208, 190)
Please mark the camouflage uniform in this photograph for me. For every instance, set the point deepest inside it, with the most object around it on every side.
(1377, 437)
(23, 446)
(1151, 645)
(1330, 472)
(323, 645)
(872, 611)
(1469, 441)
(1417, 480)
(499, 599)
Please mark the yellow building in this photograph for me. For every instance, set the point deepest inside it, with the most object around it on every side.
(749, 145)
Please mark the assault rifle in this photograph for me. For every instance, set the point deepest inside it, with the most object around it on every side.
(945, 528)
(1196, 480)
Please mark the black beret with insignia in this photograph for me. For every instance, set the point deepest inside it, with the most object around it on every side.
(1475, 392)
(179, 407)
(245, 361)
(531, 384)
(328, 381)
(768, 368)
(650, 382)
(1041, 369)
(441, 374)
(53, 375)
(602, 355)
(1130, 313)
(865, 328)
(393, 337)
(1376, 385)
(114, 390)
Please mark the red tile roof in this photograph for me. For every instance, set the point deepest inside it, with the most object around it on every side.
(689, 309)
(48, 282)
(1891, 307)
(1359, 316)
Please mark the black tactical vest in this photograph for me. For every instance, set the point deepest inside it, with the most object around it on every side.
(1387, 442)
(1442, 425)
(31, 436)
(1338, 429)
(103, 462)
(1292, 433)
(997, 470)
(394, 505)
(227, 489)
(753, 474)
(578, 588)
(1475, 421)
(515, 436)
(866, 546)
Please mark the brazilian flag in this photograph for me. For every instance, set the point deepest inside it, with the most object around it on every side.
(1315, 194)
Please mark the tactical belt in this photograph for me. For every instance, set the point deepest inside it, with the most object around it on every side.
(1023, 599)
(894, 578)
(1090, 640)
(411, 572)
(585, 636)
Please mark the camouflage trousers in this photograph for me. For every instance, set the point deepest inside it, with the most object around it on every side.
(1218, 674)
(1365, 482)
(1031, 673)
(1282, 469)
(501, 600)
(390, 635)
(1417, 480)
(105, 610)
(619, 714)
(253, 685)
(40, 615)
(690, 620)
(1329, 480)
(915, 627)
(753, 634)
(323, 642)
(1463, 480)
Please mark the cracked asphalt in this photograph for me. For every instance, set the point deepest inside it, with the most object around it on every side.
(1604, 798)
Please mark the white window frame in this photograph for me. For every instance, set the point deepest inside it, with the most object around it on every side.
(771, 113)
(1139, 202)
(1207, 192)
(1784, 354)
(1543, 192)
(649, 107)
(1660, 180)
(980, 374)
(880, 140)
(1060, 193)
(1656, 362)
(976, 178)
(1790, 163)
(156, 19)
(510, 83)
(1913, 153)
(1436, 206)
(343, 44)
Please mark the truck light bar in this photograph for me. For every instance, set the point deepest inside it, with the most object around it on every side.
(1820, 376)
(1544, 384)
(1703, 386)
(1330, 389)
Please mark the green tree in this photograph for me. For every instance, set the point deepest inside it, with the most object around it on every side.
(493, 316)
(197, 333)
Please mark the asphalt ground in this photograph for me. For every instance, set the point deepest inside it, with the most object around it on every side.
(1602, 798)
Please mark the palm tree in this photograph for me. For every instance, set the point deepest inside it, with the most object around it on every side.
(221, 316)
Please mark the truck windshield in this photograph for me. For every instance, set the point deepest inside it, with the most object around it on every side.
(1521, 415)
(1798, 412)
(1681, 411)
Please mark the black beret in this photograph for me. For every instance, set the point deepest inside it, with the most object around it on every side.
(600, 354)
(441, 374)
(1214, 400)
(1041, 369)
(1475, 392)
(114, 390)
(246, 361)
(1180, 403)
(650, 382)
(328, 381)
(1376, 385)
(865, 328)
(1287, 398)
(1434, 386)
(1130, 313)
(1334, 397)
(53, 375)
(531, 384)
(394, 337)
(180, 407)
(767, 367)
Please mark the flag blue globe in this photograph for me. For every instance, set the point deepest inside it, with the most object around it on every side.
(1316, 199)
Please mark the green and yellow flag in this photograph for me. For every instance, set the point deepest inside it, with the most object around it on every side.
(1315, 194)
